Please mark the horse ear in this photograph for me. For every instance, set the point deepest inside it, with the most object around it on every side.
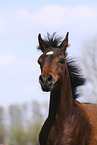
(42, 43)
(64, 44)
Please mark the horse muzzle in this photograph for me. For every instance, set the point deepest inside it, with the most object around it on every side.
(46, 82)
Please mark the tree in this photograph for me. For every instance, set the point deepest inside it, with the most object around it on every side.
(16, 115)
(36, 111)
(24, 129)
(2, 128)
(89, 63)
(23, 123)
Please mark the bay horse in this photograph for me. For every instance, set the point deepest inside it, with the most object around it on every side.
(69, 122)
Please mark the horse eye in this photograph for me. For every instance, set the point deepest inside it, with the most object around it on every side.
(62, 60)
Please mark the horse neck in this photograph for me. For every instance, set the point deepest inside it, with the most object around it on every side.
(61, 105)
(61, 100)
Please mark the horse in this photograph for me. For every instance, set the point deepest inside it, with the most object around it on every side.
(69, 122)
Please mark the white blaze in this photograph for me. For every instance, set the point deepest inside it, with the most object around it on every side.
(50, 53)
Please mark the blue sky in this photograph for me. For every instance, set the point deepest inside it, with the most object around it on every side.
(20, 23)
(35, 5)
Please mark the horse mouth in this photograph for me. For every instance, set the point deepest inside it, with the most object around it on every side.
(47, 82)
(47, 88)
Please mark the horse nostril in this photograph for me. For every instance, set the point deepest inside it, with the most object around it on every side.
(45, 79)
(41, 79)
(49, 79)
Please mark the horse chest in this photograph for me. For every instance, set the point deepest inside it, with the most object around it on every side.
(60, 134)
(51, 136)
(70, 132)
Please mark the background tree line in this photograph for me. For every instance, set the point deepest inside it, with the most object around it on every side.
(20, 124)
(88, 62)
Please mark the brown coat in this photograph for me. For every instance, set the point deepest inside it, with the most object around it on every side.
(91, 111)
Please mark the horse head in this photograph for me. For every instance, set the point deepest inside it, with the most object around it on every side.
(51, 63)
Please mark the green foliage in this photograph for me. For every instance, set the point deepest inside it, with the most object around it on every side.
(34, 130)
(2, 128)
(25, 136)
(18, 137)
(23, 124)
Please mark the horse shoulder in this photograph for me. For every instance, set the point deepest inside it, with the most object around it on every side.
(91, 112)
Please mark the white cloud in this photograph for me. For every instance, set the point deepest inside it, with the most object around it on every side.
(52, 17)
(2, 24)
(17, 77)
(23, 14)
(27, 90)
(7, 59)
(15, 65)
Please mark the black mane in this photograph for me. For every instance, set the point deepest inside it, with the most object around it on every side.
(76, 78)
